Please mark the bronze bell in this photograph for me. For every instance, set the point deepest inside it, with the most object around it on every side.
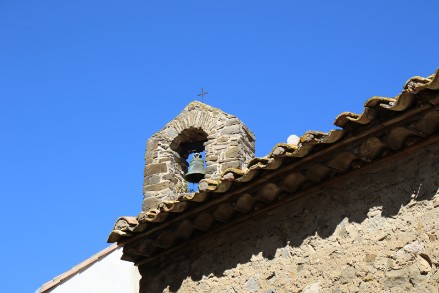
(196, 169)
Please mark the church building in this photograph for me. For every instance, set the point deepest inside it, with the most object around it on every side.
(352, 210)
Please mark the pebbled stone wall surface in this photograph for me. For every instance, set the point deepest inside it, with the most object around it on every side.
(375, 232)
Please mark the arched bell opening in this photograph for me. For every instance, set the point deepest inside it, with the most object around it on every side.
(189, 146)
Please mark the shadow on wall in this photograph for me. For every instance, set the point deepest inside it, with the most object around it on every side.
(385, 189)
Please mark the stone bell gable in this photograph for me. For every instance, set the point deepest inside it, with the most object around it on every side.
(225, 140)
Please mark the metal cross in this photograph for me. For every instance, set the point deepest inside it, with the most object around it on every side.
(202, 94)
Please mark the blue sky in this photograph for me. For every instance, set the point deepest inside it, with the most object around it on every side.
(84, 84)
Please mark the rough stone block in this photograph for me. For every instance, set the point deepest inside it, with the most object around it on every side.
(211, 169)
(155, 169)
(170, 177)
(233, 164)
(252, 285)
(212, 158)
(370, 257)
(233, 129)
(151, 145)
(232, 153)
(150, 203)
(157, 187)
(154, 179)
(171, 132)
(222, 139)
(232, 121)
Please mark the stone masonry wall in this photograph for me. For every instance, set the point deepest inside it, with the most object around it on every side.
(376, 232)
(227, 143)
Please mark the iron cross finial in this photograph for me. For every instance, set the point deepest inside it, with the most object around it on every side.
(202, 94)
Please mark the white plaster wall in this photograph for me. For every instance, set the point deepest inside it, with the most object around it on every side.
(110, 274)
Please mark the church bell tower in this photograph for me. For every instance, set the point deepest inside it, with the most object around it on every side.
(225, 141)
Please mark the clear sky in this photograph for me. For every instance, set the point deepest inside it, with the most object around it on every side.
(84, 84)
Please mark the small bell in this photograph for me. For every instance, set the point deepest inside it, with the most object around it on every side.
(196, 169)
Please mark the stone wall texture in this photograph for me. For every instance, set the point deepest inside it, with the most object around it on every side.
(226, 141)
(375, 232)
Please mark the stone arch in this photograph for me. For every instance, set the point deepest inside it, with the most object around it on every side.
(226, 141)
(189, 140)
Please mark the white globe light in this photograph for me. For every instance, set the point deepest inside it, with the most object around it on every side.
(293, 139)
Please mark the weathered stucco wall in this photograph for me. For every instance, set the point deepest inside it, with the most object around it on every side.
(376, 232)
